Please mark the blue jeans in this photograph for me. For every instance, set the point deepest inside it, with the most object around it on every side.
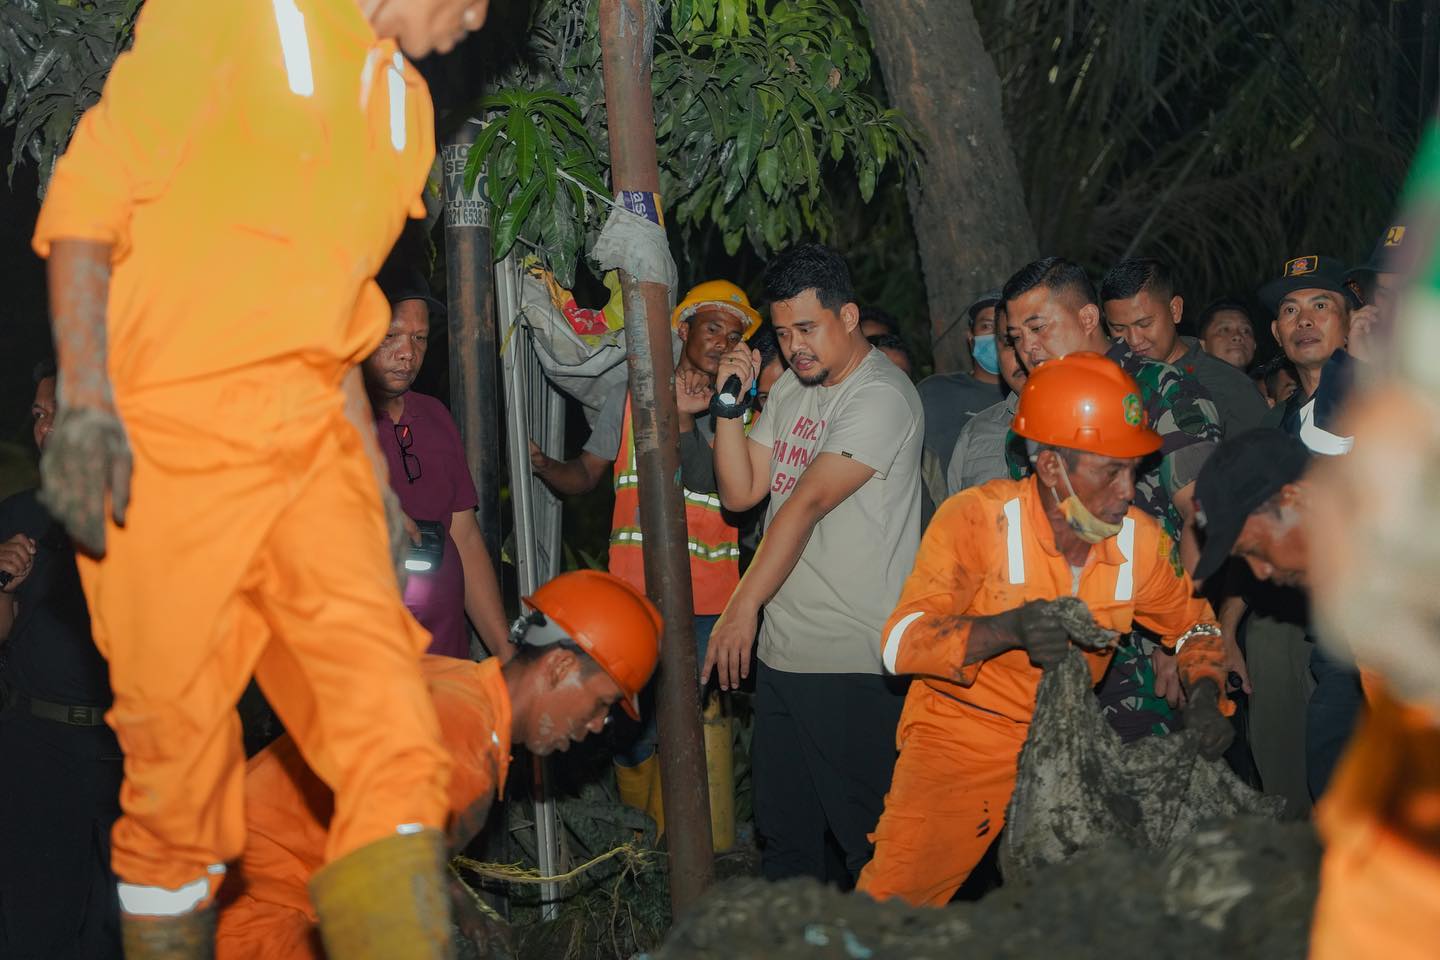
(646, 740)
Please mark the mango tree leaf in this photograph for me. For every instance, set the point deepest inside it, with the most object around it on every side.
(513, 218)
(767, 167)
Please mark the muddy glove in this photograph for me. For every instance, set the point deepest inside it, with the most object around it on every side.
(86, 458)
(1040, 631)
(1202, 715)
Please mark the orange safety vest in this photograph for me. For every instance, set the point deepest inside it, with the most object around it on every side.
(714, 542)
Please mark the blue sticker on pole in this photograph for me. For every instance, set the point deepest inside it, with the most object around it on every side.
(643, 203)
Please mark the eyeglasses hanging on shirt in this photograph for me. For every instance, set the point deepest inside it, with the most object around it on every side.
(406, 439)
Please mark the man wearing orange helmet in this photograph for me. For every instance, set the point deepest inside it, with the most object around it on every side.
(712, 319)
(591, 641)
(975, 623)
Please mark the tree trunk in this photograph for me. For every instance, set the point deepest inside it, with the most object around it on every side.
(968, 205)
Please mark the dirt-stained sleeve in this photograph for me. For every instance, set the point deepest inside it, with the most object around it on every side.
(128, 145)
(924, 634)
(1165, 602)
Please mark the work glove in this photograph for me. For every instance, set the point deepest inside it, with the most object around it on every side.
(397, 526)
(86, 458)
(1041, 632)
(1212, 730)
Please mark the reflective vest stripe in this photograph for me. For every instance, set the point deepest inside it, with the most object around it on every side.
(1014, 543)
(632, 536)
(295, 47)
(395, 77)
(891, 654)
(1125, 576)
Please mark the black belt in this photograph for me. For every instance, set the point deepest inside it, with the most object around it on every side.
(73, 714)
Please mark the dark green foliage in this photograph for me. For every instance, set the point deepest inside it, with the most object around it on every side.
(54, 57)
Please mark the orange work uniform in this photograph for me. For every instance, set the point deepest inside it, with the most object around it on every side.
(265, 909)
(251, 164)
(988, 550)
(1380, 818)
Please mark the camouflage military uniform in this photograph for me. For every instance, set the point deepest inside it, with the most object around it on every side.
(1179, 409)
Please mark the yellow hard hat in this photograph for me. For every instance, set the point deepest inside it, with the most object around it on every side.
(718, 293)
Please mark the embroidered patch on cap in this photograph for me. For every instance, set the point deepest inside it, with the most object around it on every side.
(1133, 413)
(1394, 236)
(1301, 266)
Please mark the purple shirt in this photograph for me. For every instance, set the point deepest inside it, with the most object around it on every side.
(441, 488)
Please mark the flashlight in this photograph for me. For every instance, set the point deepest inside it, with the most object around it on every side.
(425, 556)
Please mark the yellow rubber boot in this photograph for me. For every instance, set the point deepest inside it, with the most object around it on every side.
(386, 901)
(656, 805)
(633, 784)
(190, 936)
(720, 772)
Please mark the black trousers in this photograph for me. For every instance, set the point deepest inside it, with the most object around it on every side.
(59, 796)
(1330, 717)
(822, 755)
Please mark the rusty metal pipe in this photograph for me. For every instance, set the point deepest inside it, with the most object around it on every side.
(655, 427)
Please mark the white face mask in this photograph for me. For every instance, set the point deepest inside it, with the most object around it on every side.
(1086, 525)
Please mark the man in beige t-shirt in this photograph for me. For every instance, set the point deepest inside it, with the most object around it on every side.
(837, 450)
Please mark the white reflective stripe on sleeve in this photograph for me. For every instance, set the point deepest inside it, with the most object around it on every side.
(295, 46)
(892, 641)
(1125, 576)
(395, 77)
(141, 901)
(1181, 642)
(1015, 546)
(409, 829)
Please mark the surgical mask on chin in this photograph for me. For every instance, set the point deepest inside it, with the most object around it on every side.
(986, 353)
(1086, 525)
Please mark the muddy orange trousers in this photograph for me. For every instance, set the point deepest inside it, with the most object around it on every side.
(255, 543)
(947, 799)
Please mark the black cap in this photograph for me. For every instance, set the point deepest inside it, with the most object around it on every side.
(1387, 257)
(1307, 273)
(987, 299)
(1242, 474)
(402, 280)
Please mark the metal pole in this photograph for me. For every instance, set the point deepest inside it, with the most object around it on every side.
(625, 40)
(474, 382)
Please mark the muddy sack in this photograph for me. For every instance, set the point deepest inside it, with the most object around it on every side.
(1079, 787)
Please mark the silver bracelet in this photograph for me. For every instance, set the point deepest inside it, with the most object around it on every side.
(1199, 630)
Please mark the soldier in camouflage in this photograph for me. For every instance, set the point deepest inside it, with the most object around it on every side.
(1052, 310)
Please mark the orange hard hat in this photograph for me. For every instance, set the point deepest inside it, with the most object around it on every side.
(717, 293)
(1084, 401)
(615, 624)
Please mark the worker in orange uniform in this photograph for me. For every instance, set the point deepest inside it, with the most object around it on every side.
(212, 234)
(591, 641)
(711, 320)
(974, 624)
(1265, 500)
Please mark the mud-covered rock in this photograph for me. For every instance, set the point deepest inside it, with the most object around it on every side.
(1241, 889)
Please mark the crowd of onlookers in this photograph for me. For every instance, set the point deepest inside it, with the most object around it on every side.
(806, 503)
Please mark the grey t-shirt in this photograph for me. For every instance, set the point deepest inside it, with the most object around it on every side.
(697, 466)
(828, 614)
(979, 455)
(949, 401)
(1235, 395)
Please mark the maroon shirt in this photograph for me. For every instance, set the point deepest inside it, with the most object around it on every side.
(442, 487)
